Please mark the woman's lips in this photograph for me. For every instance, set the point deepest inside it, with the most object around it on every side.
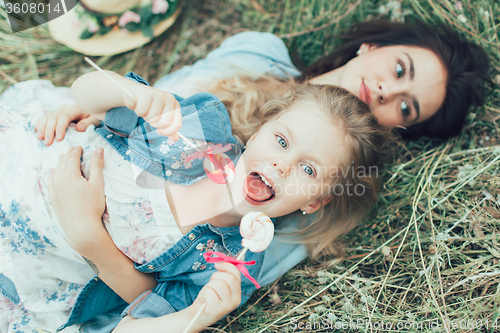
(364, 93)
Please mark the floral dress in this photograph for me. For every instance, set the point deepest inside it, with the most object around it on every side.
(34, 252)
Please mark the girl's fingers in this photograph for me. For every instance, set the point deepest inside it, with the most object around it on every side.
(174, 126)
(220, 289)
(229, 268)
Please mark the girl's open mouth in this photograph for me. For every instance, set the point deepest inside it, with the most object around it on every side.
(257, 189)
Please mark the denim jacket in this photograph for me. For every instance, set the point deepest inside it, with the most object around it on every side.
(181, 271)
(252, 51)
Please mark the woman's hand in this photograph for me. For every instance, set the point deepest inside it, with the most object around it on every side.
(222, 294)
(54, 124)
(78, 203)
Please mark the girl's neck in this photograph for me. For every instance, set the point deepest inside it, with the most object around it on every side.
(200, 203)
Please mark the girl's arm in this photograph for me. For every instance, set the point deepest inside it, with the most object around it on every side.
(79, 205)
(222, 294)
(96, 94)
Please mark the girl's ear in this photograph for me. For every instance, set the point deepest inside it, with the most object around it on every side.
(252, 137)
(313, 207)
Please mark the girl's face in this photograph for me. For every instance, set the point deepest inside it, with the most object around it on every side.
(402, 85)
(289, 163)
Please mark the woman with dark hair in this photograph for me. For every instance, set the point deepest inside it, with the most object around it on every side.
(419, 79)
(416, 79)
(425, 79)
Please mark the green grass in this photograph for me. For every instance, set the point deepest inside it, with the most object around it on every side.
(429, 252)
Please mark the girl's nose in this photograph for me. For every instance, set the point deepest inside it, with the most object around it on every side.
(282, 171)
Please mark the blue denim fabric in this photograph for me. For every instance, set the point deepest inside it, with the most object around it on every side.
(250, 52)
(204, 117)
(182, 271)
(8, 289)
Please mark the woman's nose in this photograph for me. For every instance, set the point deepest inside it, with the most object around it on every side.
(387, 91)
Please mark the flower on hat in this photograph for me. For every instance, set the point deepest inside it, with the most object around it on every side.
(91, 24)
(110, 20)
(159, 6)
(127, 17)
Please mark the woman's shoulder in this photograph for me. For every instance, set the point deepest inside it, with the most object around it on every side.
(253, 42)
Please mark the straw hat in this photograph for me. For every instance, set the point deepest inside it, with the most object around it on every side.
(108, 27)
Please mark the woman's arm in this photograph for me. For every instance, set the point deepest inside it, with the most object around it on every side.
(79, 205)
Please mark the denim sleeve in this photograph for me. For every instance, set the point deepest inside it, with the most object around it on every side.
(284, 252)
(148, 305)
(123, 120)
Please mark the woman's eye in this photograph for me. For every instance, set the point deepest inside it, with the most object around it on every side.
(400, 70)
(282, 142)
(308, 170)
(405, 110)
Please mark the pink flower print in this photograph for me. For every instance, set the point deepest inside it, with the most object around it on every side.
(147, 209)
(159, 6)
(127, 17)
(187, 164)
(183, 155)
(202, 267)
(210, 243)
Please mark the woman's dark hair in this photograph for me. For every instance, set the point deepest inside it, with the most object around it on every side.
(466, 65)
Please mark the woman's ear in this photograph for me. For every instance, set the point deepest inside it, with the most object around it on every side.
(314, 206)
(366, 47)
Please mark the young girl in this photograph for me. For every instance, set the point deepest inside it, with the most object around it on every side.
(321, 161)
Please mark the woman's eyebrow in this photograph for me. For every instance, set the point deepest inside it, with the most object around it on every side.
(412, 67)
(416, 105)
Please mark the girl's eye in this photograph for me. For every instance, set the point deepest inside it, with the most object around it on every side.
(308, 170)
(282, 142)
(405, 110)
(400, 69)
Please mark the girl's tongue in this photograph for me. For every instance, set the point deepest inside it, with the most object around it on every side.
(256, 189)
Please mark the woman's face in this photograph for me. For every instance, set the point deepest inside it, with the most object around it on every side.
(402, 85)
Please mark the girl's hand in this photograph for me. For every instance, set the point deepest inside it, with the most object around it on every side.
(78, 203)
(157, 107)
(55, 123)
(222, 294)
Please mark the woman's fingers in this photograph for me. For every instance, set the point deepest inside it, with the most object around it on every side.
(83, 124)
(73, 161)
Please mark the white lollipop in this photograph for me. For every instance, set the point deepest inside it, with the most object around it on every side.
(257, 231)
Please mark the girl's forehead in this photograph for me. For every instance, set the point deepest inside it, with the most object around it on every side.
(314, 136)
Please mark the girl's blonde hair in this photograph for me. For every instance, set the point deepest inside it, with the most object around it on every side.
(251, 103)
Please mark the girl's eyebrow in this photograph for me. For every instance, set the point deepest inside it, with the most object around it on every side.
(416, 105)
(318, 166)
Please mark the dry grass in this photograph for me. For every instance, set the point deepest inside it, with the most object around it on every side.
(429, 252)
